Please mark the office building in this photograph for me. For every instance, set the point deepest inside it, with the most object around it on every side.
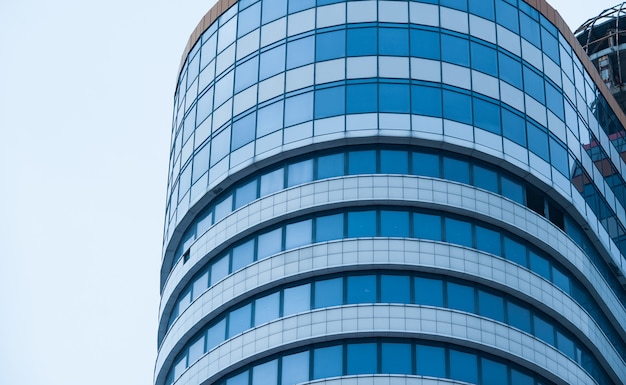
(392, 192)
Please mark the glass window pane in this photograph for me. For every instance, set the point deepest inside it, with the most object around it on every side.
(459, 232)
(245, 194)
(530, 29)
(362, 41)
(394, 223)
(393, 41)
(269, 243)
(328, 292)
(506, 15)
(265, 374)
(328, 362)
(461, 297)
(243, 255)
(243, 131)
(330, 45)
(396, 358)
(426, 101)
(539, 265)
(431, 361)
(239, 320)
(394, 98)
(329, 102)
(395, 289)
(564, 343)
(427, 226)
(270, 119)
(329, 166)
(510, 70)
(249, 19)
(329, 227)
(362, 98)
(298, 109)
(461, 5)
(533, 84)
(272, 10)
(456, 170)
(298, 234)
(519, 378)
(240, 379)
(513, 127)
(455, 50)
(361, 359)
(428, 291)
(488, 240)
(394, 162)
(267, 308)
(518, 317)
(300, 52)
(200, 285)
(219, 269)
(362, 162)
(515, 251)
(196, 350)
(544, 330)
(457, 106)
(512, 190)
(362, 289)
(493, 373)
(272, 182)
(297, 299)
(491, 306)
(561, 280)
(463, 366)
(362, 224)
(295, 368)
(216, 334)
(247, 74)
(426, 165)
(484, 58)
(299, 173)
(425, 44)
(223, 208)
(487, 116)
(486, 179)
(272, 62)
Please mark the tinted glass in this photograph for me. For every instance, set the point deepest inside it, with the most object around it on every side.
(461, 297)
(362, 162)
(427, 226)
(394, 162)
(395, 289)
(362, 289)
(267, 308)
(329, 227)
(431, 361)
(328, 293)
(463, 366)
(297, 299)
(361, 359)
(394, 223)
(362, 224)
(458, 232)
(428, 291)
(295, 368)
(396, 358)
(329, 166)
(327, 362)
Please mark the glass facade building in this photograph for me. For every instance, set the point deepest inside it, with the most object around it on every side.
(392, 191)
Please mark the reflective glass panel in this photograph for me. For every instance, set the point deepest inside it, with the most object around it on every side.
(361, 224)
(396, 358)
(361, 359)
(295, 368)
(297, 299)
(328, 292)
(428, 291)
(431, 361)
(267, 308)
(395, 289)
(362, 289)
(329, 227)
(328, 362)
(463, 366)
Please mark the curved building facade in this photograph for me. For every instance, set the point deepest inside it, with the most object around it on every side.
(392, 192)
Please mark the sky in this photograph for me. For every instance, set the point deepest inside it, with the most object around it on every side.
(86, 91)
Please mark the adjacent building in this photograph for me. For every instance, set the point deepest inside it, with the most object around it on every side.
(392, 192)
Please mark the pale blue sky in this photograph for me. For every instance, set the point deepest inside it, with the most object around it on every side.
(85, 111)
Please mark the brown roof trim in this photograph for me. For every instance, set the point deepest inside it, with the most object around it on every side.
(540, 5)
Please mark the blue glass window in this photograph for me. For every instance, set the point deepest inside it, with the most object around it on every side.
(393, 41)
(394, 223)
(458, 232)
(362, 224)
(566, 345)
(510, 70)
(216, 334)
(425, 44)
(239, 320)
(362, 162)
(530, 29)
(240, 379)
(224, 88)
(272, 182)
(328, 362)
(463, 366)
(219, 270)
(269, 243)
(491, 306)
(518, 317)
(425, 164)
(200, 163)
(298, 109)
(493, 373)
(249, 19)
(554, 100)
(362, 98)
(246, 194)
(428, 292)
(426, 101)
(558, 157)
(487, 115)
(538, 141)
(266, 373)
(482, 8)
(506, 15)
(550, 45)
(533, 84)
(361, 289)
(270, 119)
(515, 252)
(431, 360)
(205, 105)
(544, 330)
(488, 240)
(300, 52)
(328, 292)
(394, 162)
(427, 226)
(299, 173)
(299, 5)
(272, 62)
(484, 58)
(461, 5)
(513, 127)
(395, 98)
(267, 308)
(361, 358)
(330, 45)
(396, 358)
(362, 41)
(561, 280)
(519, 378)
(295, 368)
(296, 299)
(298, 234)
(456, 170)
(274, 9)
(246, 74)
(461, 297)
(395, 289)
(486, 179)
(243, 255)
(243, 131)
(329, 102)
(457, 106)
(329, 166)
(539, 265)
(455, 50)
(329, 227)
